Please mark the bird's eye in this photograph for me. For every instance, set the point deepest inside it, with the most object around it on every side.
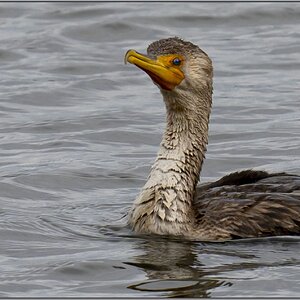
(176, 61)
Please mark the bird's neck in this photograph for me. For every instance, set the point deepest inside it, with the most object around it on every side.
(164, 205)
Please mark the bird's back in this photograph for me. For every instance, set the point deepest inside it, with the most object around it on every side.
(249, 204)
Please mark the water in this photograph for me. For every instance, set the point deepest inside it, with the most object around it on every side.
(79, 131)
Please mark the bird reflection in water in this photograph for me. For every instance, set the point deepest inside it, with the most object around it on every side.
(172, 267)
(178, 268)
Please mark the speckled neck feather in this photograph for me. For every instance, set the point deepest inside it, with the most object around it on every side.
(164, 205)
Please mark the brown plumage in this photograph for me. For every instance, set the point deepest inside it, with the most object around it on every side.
(240, 205)
(250, 204)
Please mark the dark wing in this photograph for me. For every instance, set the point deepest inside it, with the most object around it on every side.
(250, 204)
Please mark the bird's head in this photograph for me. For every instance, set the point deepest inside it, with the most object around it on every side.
(176, 66)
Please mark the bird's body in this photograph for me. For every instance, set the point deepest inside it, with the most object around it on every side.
(240, 205)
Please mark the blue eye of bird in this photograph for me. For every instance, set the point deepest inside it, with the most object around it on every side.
(176, 61)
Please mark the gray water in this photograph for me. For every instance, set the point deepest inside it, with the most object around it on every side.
(80, 130)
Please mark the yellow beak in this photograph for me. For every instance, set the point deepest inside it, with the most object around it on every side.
(160, 70)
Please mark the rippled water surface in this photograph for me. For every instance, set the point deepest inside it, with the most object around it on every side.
(79, 131)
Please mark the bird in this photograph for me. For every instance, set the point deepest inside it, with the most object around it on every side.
(243, 204)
